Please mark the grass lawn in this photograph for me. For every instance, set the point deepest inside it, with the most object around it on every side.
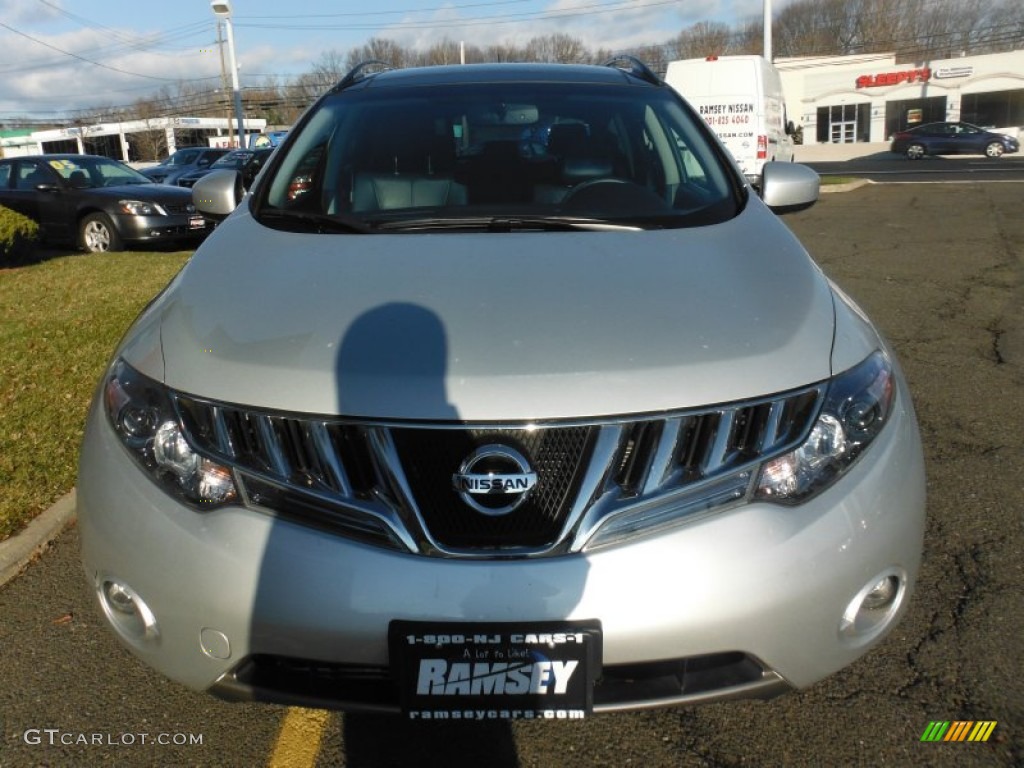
(59, 323)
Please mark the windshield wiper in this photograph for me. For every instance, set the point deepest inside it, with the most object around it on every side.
(504, 224)
(317, 222)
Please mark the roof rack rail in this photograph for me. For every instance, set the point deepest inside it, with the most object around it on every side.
(633, 66)
(359, 71)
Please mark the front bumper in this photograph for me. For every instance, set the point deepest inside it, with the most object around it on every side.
(759, 590)
(148, 229)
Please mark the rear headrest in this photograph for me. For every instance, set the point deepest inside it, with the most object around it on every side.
(565, 137)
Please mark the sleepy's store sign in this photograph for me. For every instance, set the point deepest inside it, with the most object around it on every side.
(920, 75)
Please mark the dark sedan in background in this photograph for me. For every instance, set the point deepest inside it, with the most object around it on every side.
(952, 139)
(247, 161)
(185, 160)
(97, 203)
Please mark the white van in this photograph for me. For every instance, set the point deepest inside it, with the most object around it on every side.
(741, 98)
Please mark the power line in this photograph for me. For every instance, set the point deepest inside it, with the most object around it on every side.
(127, 41)
(513, 18)
(388, 13)
(82, 58)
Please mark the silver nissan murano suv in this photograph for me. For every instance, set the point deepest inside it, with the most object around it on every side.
(501, 394)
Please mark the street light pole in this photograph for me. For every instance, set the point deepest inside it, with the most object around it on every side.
(224, 78)
(222, 9)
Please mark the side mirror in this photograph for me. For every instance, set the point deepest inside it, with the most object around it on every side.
(789, 187)
(218, 193)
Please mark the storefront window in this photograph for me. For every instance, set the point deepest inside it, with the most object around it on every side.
(993, 110)
(900, 115)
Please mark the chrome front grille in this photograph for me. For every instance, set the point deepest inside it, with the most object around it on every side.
(597, 483)
(431, 457)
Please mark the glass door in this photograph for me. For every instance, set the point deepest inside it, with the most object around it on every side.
(843, 124)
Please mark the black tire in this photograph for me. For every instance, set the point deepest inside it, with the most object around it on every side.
(96, 234)
(916, 151)
(994, 149)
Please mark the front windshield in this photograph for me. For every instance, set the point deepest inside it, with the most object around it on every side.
(618, 154)
(182, 157)
(94, 172)
(235, 159)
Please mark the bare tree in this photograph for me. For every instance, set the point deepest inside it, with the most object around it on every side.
(1006, 22)
(705, 38)
(912, 29)
(747, 38)
(150, 144)
(503, 52)
(656, 57)
(561, 49)
(270, 102)
(444, 52)
(816, 27)
(380, 49)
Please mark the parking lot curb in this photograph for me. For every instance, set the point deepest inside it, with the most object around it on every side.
(848, 187)
(22, 548)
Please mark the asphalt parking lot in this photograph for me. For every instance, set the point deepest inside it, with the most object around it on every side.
(939, 269)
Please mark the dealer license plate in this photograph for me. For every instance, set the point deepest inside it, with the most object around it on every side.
(507, 671)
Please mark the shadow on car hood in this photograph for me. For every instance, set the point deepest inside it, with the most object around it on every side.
(496, 327)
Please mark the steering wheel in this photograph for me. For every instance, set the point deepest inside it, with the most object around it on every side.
(583, 186)
(620, 194)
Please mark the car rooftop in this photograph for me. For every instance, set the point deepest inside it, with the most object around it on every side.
(498, 73)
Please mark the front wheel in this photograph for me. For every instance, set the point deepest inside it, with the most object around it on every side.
(995, 149)
(96, 234)
(916, 151)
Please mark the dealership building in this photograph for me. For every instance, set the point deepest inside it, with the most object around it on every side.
(115, 139)
(868, 98)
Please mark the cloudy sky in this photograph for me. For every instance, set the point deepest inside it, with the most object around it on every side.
(60, 55)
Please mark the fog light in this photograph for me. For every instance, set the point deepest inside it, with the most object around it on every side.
(874, 607)
(127, 612)
(882, 594)
(120, 597)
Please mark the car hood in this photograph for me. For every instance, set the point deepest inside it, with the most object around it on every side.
(150, 193)
(492, 327)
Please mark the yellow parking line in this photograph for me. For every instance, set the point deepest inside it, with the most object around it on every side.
(298, 743)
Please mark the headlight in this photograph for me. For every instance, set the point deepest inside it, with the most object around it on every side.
(140, 208)
(143, 416)
(856, 408)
